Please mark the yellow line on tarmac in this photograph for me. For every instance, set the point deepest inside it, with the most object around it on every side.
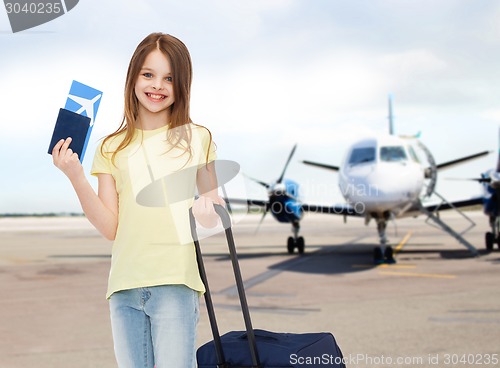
(15, 260)
(411, 274)
(403, 242)
(393, 266)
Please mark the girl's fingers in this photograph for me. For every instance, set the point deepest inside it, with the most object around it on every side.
(71, 156)
(221, 201)
(61, 146)
(57, 147)
(201, 205)
(62, 155)
(66, 144)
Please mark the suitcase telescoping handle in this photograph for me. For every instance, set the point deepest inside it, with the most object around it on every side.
(226, 222)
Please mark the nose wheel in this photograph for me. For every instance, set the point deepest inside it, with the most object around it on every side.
(298, 243)
(383, 256)
(295, 241)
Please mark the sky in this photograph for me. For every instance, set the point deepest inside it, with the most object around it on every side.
(267, 74)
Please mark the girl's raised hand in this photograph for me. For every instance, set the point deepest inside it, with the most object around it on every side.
(66, 160)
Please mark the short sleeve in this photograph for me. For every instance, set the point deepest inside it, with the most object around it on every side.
(209, 147)
(102, 164)
(212, 155)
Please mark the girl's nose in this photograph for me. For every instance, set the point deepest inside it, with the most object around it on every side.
(157, 84)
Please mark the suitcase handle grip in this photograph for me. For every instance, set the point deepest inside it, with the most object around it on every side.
(260, 333)
(224, 216)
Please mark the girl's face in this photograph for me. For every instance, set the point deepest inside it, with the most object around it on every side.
(153, 87)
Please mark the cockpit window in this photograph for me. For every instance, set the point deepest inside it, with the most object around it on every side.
(392, 153)
(360, 155)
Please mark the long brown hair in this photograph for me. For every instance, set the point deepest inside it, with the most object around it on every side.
(182, 73)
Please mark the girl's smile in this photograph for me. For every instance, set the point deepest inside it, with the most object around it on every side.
(155, 97)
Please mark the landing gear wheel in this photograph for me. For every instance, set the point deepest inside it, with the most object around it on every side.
(378, 257)
(290, 246)
(490, 239)
(389, 255)
(300, 244)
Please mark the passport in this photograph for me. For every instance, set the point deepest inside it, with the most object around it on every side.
(71, 124)
(83, 101)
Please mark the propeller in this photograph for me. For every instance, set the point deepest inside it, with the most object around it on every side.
(265, 185)
(287, 163)
(261, 220)
(479, 180)
(270, 187)
(280, 179)
(492, 176)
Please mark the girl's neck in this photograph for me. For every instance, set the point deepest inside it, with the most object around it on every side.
(150, 121)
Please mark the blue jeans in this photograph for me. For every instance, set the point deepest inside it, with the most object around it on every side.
(155, 326)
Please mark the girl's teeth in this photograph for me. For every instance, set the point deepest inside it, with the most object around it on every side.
(156, 97)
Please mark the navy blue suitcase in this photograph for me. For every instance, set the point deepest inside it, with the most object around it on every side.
(275, 350)
(259, 348)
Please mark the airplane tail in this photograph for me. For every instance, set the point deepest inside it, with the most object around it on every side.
(391, 117)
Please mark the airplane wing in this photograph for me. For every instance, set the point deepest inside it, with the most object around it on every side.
(248, 202)
(339, 209)
(323, 166)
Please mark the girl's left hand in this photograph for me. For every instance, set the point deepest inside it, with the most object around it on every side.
(204, 212)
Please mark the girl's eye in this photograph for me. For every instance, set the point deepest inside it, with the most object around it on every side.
(148, 75)
(169, 79)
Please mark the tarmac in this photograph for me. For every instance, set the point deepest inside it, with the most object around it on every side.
(436, 307)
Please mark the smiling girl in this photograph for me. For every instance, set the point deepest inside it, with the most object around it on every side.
(147, 172)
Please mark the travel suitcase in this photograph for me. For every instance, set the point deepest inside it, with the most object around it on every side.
(258, 348)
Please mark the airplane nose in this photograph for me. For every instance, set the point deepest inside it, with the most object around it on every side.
(383, 186)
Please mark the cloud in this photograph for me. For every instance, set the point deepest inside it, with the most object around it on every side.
(491, 114)
(412, 62)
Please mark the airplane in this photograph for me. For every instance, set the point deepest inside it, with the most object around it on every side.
(490, 181)
(491, 184)
(381, 178)
(284, 203)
